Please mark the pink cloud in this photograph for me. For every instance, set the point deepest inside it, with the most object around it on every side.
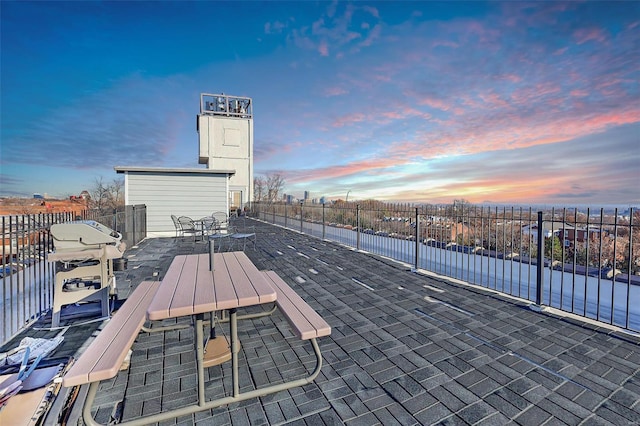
(529, 95)
(404, 112)
(349, 119)
(323, 48)
(335, 91)
(435, 103)
(579, 93)
(560, 51)
(332, 172)
(274, 27)
(589, 34)
(373, 35)
(484, 34)
(511, 132)
(372, 10)
(445, 43)
(513, 78)
(493, 101)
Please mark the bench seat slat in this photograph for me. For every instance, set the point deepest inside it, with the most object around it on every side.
(305, 321)
(104, 356)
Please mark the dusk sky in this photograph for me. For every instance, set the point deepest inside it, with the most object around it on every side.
(500, 102)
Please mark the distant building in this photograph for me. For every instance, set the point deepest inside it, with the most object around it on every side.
(84, 195)
(564, 231)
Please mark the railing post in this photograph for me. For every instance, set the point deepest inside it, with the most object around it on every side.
(133, 231)
(358, 226)
(301, 230)
(540, 260)
(323, 222)
(285, 215)
(417, 254)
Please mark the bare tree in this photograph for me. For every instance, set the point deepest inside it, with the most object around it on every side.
(106, 197)
(275, 186)
(259, 189)
(268, 189)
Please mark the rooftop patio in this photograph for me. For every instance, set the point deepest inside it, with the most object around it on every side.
(405, 348)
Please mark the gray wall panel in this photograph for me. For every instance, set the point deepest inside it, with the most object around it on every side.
(182, 194)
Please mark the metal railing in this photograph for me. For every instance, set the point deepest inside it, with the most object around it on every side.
(589, 263)
(27, 278)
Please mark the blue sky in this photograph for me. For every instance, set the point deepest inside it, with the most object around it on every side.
(500, 102)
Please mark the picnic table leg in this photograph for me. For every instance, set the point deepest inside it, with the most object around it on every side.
(199, 335)
(212, 251)
(233, 326)
(212, 331)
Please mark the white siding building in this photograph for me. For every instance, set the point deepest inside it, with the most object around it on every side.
(181, 192)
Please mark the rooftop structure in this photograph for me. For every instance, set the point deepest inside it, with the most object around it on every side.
(225, 132)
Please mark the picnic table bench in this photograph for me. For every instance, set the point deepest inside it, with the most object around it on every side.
(106, 353)
(302, 318)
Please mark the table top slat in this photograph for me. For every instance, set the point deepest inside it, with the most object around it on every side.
(261, 286)
(184, 297)
(204, 290)
(159, 307)
(245, 292)
(189, 287)
(225, 294)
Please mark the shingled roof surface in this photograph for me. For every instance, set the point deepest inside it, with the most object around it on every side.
(406, 348)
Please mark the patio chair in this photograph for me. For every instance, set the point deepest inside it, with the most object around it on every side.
(221, 218)
(219, 236)
(188, 226)
(241, 232)
(209, 225)
(176, 224)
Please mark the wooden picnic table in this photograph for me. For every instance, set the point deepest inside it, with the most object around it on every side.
(191, 288)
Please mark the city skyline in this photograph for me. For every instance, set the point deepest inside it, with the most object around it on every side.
(423, 102)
